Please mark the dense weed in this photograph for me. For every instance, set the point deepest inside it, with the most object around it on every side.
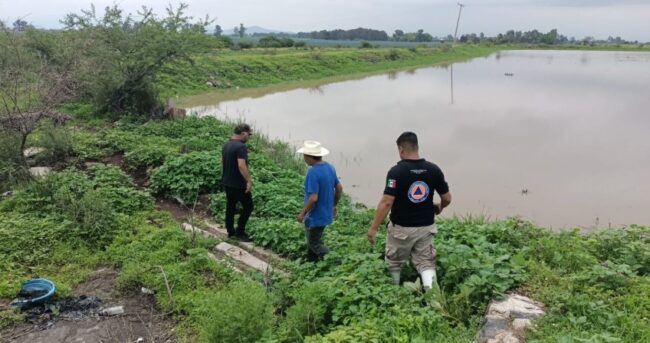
(595, 286)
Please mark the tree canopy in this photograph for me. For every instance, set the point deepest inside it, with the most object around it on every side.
(127, 52)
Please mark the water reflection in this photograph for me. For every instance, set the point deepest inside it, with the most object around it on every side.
(451, 82)
(572, 135)
(320, 89)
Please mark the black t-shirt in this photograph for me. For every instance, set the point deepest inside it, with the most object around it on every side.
(231, 151)
(412, 183)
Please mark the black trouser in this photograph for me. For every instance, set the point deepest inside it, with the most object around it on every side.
(233, 196)
(316, 249)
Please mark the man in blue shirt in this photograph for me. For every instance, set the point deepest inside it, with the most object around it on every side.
(322, 193)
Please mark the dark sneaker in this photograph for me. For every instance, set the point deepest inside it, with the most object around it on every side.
(243, 237)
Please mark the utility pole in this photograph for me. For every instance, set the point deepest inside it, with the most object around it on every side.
(460, 9)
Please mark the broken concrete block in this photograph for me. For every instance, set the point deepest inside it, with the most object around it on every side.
(516, 306)
(39, 171)
(191, 228)
(264, 253)
(33, 151)
(240, 255)
(507, 320)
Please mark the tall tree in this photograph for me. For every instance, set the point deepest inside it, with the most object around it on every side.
(128, 53)
(398, 35)
(218, 31)
(37, 74)
(21, 25)
(242, 31)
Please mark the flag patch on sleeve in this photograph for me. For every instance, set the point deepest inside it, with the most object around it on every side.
(391, 183)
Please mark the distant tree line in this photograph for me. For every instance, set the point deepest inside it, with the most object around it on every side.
(512, 36)
(338, 34)
(369, 35)
(551, 37)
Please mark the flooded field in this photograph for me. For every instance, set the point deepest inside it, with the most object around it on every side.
(561, 138)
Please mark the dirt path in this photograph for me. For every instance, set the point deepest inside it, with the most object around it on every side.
(142, 322)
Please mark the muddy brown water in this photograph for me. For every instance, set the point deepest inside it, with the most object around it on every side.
(561, 138)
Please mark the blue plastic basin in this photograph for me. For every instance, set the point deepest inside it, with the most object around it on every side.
(35, 286)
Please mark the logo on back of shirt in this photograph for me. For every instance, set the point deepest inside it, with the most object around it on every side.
(418, 192)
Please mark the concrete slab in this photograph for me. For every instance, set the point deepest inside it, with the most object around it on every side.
(40, 171)
(242, 256)
(193, 229)
(264, 253)
(221, 260)
(33, 151)
(243, 253)
(506, 320)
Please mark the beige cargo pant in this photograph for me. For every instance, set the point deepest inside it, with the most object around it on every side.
(415, 242)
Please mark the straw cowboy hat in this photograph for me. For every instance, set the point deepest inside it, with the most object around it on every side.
(313, 148)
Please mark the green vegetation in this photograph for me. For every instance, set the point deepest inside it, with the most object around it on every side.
(124, 54)
(263, 67)
(595, 286)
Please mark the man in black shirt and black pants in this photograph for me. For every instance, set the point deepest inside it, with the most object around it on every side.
(237, 182)
(409, 197)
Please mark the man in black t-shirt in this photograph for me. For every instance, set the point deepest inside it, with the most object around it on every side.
(237, 181)
(409, 197)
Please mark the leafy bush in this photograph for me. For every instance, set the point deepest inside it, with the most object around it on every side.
(286, 237)
(28, 246)
(311, 313)
(241, 313)
(365, 45)
(393, 55)
(188, 176)
(88, 146)
(140, 255)
(126, 55)
(152, 153)
(12, 171)
(275, 42)
(245, 45)
(401, 325)
(57, 142)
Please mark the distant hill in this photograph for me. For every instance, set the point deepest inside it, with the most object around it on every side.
(255, 29)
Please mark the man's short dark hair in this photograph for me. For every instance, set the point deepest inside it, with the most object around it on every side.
(240, 128)
(408, 140)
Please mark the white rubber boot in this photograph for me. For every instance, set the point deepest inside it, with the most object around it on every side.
(428, 278)
(396, 278)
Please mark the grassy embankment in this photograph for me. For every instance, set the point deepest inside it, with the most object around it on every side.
(231, 70)
(595, 287)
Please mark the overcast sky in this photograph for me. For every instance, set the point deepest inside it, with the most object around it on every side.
(629, 19)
